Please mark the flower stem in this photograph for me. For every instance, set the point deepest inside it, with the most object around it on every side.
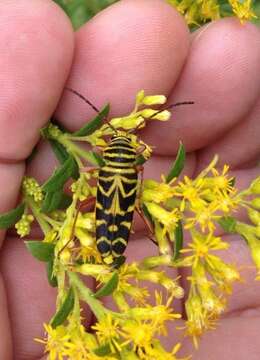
(87, 295)
(38, 216)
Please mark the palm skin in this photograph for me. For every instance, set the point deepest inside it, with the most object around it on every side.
(130, 46)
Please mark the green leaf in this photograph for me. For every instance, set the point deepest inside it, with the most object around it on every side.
(178, 241)
(11, 217)
(147, 214)
(178, 164)
(64, 311)
(109, 287)
(40, 250)
(94, 124)
(56, 182)
(103, 350)
(65, 201)
(59, 150)
(55, 200)
(140, 160)
(51, 279)
(228, 223)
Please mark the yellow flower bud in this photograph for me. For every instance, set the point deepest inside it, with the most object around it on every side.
(23, 226)
(163, 115)
(193, 306)
(256, 203)
(152, 276)
(85, 238)
(167, 218)
(160, 234)
(255, 250)
(65, 256)
(150, 184)
(127, 122)
(154, 100)
(257, 231)
(139, 97)
(255, 186)
(50, 236)
(148, 113)
(154, 261)
(254, 216)
(93, 269)
(86, 221)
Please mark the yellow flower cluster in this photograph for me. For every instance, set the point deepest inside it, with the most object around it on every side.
(169, 207)
(134, 335)
(32, 188)
(135, 120)
(211, 278)
(23, 226)
(130, 281)
(201, 11)
(203, 200)
(251, 232)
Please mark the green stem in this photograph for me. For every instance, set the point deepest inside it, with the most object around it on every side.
(52, 222)
(38, 216)
(76, 150)
(86, 294)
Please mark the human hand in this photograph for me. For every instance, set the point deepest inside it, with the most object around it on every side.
(130, 46)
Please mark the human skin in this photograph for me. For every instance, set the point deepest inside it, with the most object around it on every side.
(130, 46)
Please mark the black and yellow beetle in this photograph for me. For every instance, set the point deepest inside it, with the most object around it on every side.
(116, 193)
(116, 197)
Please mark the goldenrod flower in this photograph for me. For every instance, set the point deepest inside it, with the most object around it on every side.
(156, 192)
(32, 188)
(199, 319)
(140, 335)
(108, 332)
(201, 11)
(95, 270)
(23, 226)
(243, 9)
(255, 186)
(210, 275)
(192, 191)
(205, 217)
(157, 352)
(168, 219)
(56, 341)
(250, 233)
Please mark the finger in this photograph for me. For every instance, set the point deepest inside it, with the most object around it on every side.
(34, 67)
(220, 77)
(115, 58)
(31, 80)
(5, 329)
(238, 147)
(234, 339)
(31, 300)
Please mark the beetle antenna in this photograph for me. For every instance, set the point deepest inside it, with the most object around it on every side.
(84, 99)
(91, 105)
(179, 103)
(172, 106)
(159, 111)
